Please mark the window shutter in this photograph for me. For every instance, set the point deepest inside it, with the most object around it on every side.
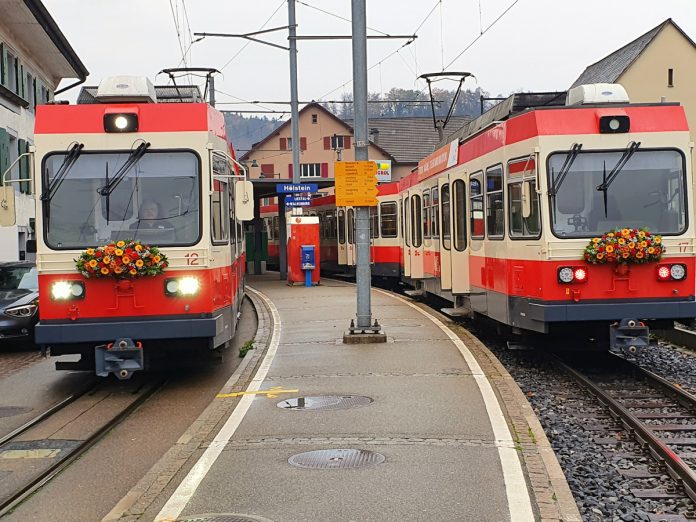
(324, 170)
(346, 142)
(290, 169)
(23, 147)
(37, 92)
(303, 143)
(21, 82)
(327, 142)
(4, 65)
(283, 144)
(4, 152)
(267, 169)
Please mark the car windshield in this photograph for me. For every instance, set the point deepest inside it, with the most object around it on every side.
(18, 278)
(156, 201)
(648, 191)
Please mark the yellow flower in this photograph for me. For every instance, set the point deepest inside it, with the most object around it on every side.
(651, 250)
(595, 240)
(121, 244)
(118, 270)
(621, 241)
(106, 260)
(139, 263)
(643, 244)
(138, 248)
(625, 232)
(610, 234)
(610, 248)
(118, 252)
(90, 252)
(641, 234)
(600, 255)
(640, 255)
(126, 260)
(104, 270)
(631, 245)
(93, 263)
(133, 271)
(157, 259)
(657, 240)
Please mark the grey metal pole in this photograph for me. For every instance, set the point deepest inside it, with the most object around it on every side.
(362, 214)
(294, 106)
(211, 96)
(282, 239)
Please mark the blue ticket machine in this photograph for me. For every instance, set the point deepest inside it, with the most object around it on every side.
(307, 262)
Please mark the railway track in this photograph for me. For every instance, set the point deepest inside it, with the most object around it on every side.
(38, 450)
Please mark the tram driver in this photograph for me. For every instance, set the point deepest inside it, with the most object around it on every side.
(150, 217)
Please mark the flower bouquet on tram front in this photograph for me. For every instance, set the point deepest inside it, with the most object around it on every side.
(625, 246)
(121, 260)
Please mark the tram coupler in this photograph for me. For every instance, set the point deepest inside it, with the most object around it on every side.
(628, 336)
(123, 357)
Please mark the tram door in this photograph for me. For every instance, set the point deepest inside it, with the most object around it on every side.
(445, 211)
(416, 225)
(459, 247)
(405, 232)
(341, 230)
(350, 236)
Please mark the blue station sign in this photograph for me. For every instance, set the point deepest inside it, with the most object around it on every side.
(298, 201)
(292, 188)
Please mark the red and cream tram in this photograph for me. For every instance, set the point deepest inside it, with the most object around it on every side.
(127, 171)
(510, 219)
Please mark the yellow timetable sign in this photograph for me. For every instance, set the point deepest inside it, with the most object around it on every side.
(356, 183)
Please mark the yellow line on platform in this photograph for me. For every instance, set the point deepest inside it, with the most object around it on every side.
(271, 394)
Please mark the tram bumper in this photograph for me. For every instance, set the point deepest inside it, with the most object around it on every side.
(106, 331)
(122, 357)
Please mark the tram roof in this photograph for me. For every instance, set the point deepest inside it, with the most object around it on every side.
(165, 94)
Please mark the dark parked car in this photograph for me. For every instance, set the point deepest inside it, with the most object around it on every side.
(19, 301)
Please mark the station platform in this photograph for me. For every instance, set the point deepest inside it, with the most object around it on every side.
(312, 429)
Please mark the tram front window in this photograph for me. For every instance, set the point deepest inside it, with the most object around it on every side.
(648, 191)
(156, 201)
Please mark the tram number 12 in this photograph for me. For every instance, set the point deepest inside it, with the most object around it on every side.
(191, 258)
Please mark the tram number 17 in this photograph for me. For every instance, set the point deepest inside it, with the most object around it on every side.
(191, 258)
(682, 246)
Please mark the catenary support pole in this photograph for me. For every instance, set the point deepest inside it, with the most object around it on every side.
(294, 105)
(362, 214)
(211, 96)
(282, 239)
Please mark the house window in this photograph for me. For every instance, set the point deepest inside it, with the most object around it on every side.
(337, 142)
(310, 170)
(670, 77)
(315, 118)
(12, 76)
(288, 143)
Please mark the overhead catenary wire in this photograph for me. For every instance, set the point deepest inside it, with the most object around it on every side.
(336, 16)
(178, 32)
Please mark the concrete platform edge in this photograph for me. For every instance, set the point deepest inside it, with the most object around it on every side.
(143, 494)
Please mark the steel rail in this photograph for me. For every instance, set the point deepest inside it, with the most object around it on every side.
(42, 416)
(676, 467)
(44, 477)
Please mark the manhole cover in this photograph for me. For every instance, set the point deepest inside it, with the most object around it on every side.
(11, 411)
(336, 459)
(325, 402)
(223, 517)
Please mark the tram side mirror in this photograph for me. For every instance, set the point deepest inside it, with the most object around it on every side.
(244, 200)
(31, 246)
(8, 216)
(526, 199)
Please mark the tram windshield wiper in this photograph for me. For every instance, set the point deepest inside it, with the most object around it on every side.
(557, 181)
(608, 180)
(133, 158)
(62, 172)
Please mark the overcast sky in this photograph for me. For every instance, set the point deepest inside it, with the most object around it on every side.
(537, 45)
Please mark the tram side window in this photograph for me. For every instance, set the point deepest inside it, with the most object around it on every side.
(219, 212)
(351, 226)
(495, 223)
(475, 207)
(459, 192)
(374, 222)
(416, 231)
(342, 226)
(426, 215)
(233, 242)
(434, 217)
(521, 172)
(331, 224)
(406, 226)
(445, 229)
(388, 214)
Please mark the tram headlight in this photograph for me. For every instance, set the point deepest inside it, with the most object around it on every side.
(572, 274)
(565, 274)
(614, 124)
(182, 286)
(678, 272)
(66, 290)
(120, 122)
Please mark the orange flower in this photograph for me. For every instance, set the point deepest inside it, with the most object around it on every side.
(624, 255)
(641, 234)
(640, 255)
(133, 271)
(625, 232)
(651, 250)
(595, 240)
(125, 260)
(643, 244)
(657, 240)
(104, 271)
(118, 270)
(90, 251)
(157, 259)
(621, 241)
(631, 245)
(93, 263)
(610, 248)
(139, 263)
(106, 260)
(110, 249)
(138, 248)
(600, 255)
(120, 244)
(118, 252)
